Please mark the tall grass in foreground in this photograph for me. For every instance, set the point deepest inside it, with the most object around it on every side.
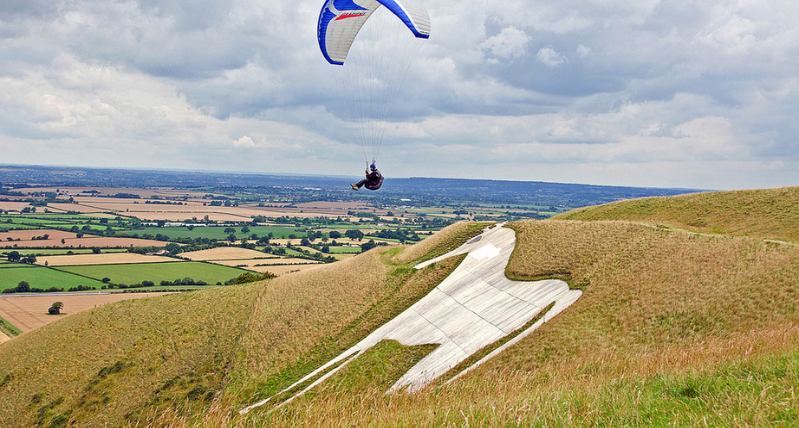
(754, 391)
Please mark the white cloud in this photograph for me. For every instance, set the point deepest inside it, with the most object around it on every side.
(509, 43)
(736, 36)
(550, 57)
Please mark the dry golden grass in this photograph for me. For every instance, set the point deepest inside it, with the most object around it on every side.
(296, 311)
(765, 214)
(662, 311)
(650, 288)
(68, 368)
(280, 270)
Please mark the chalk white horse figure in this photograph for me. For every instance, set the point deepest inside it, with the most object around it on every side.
(475, 306)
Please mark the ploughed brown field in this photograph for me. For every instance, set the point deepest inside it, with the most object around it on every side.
(226, 253)
(30, 312)
(100, 259)
(28, 234)
(13, 206)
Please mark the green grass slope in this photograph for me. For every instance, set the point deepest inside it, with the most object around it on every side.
(765, 214)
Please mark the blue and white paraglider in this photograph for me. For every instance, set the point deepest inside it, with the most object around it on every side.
(373, 68)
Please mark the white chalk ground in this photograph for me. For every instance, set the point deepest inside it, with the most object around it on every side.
(472, 308)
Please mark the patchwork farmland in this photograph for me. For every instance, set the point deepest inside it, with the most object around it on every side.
(112, 240)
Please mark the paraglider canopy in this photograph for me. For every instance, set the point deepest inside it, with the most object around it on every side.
(340, 21)
(389, 34)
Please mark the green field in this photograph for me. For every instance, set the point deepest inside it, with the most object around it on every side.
(27, 220)
(14, 226)
(157, 272)
(55, 221)
(215, 232)
(344, 250)
(42, 277)
(5, 264)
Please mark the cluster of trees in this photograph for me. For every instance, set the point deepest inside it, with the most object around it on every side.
(185, 281)
(302, 253)
(81, 288)
(55, 308)
(241, 279)
(126, 196)
(163, 202)
(15, 256)
(398, 234)
(25, 287)
(248, 277)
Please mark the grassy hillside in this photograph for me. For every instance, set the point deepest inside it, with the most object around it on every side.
(674, 329)
(176, 358)
(109, 364)
(765, 214)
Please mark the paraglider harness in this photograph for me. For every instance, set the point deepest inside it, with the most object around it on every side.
(373, 179)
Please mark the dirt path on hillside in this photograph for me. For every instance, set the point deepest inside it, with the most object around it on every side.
(4, 338)
(30, 312)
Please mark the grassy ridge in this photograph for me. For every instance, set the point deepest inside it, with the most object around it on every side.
(764, 214)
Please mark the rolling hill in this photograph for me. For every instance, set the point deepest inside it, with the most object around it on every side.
(688, 317)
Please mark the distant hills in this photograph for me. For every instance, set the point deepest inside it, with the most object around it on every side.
(427, 191)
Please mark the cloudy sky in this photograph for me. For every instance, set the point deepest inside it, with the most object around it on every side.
(674, 93)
